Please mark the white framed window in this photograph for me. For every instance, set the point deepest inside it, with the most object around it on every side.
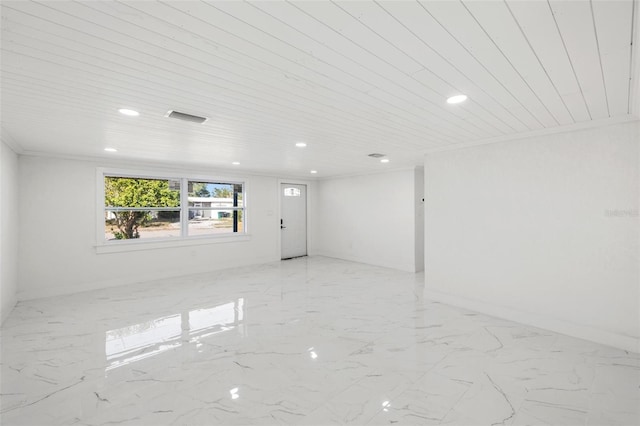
(215, 207)
(141, 207)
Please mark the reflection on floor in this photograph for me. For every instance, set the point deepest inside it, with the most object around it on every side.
(306, 341)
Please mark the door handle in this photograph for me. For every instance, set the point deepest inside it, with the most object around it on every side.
(281, 225)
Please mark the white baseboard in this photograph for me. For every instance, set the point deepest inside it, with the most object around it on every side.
(61, 290)
(374, 262)
(615, 340)
(6, 310)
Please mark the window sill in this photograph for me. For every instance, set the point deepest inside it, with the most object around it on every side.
(125, 246)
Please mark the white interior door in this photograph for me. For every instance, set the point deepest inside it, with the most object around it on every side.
(293, 222)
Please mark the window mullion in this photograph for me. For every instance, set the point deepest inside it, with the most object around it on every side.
(184, 207)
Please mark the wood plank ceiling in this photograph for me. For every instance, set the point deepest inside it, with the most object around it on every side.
(348, 78)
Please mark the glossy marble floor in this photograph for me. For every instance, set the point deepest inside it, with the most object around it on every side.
(305, 341)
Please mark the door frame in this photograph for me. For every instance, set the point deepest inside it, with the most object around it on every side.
(309, 185)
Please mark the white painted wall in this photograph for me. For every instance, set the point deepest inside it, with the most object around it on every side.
(368, 219)
(58, 233)
(528, 230)
(8, 229)
(419, 219)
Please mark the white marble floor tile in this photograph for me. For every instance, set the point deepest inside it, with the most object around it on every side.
(309, 341)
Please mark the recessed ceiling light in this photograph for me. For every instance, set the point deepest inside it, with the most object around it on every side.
(313, 172)
(384, 160)
(236, 163)
(128, 112)
(301, 144)
(457, 99)
(111, 150)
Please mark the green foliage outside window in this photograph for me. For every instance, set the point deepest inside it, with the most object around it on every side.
(130, 192)
(200, 189)
(222, 193)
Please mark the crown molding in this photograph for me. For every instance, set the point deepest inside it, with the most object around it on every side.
(370, 172)
(8, 140)
(160, 165)
(542, 132)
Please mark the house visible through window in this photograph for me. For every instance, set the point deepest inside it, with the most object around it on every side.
(150, 208)
(215, 207)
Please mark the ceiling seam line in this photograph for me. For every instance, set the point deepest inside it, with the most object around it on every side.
(595, 32)
(566, 50)
(510, 63)
(390, 64)
(333, 50)
(382, 76)
(422, 65)
(539, 61)
(631, 57)
(366, 50)
(456, 68)
(425, 68)
(481, 64)
(306, 53)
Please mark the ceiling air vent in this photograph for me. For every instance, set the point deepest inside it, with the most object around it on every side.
(374, 155)
(186, 117)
